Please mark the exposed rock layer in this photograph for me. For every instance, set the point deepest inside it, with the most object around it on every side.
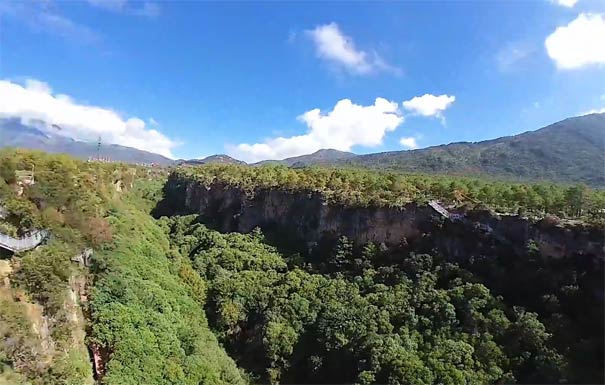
(307, 216)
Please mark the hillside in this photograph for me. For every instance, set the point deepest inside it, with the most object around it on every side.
(130, 312)
(569, 151)
(16, 134)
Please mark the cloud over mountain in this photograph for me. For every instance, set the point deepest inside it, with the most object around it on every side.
(34, 102)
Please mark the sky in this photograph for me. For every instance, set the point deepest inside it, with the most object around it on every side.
(274, 79)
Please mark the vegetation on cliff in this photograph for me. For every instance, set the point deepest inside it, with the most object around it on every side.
(42, 327)
(144, 306)
(146, 310)
(372, 188)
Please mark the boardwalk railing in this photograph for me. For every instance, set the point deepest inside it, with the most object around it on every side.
(440, 209)
(27, 242)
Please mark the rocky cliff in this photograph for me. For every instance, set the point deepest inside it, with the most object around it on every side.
(307, 216)
(551, 267)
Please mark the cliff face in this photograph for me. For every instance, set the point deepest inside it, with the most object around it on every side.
(307, 216)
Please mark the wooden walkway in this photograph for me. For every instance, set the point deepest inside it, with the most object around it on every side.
(28, 242)
(440, 209)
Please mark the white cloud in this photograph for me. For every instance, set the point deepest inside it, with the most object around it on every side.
(429, 105)
(39, 17)
(111, 5)
(332, 45)
(35, 102)
(148, 9)
(347, 125)
(579, 43)
(37, 86)
(565, 3)
(595, 111)
(512, 54)
(409, 142)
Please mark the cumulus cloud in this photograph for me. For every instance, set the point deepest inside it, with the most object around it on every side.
(429, 105)
(332, 45)
(565, 3)
(580, 43)
(35, 102)
(409, 143)
(347, 125)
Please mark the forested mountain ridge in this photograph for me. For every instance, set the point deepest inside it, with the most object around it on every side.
(218, 158)
(319, 157)
(569, 151)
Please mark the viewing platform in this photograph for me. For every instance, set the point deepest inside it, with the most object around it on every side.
(440, 209)
(28, 242)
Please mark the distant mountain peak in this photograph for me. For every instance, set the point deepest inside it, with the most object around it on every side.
(217, 158)
(330, 151)
(322, 156)
(32, 135)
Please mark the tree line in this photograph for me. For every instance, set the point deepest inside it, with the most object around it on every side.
(364, 187)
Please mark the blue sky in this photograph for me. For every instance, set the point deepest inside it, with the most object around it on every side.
(275, 79)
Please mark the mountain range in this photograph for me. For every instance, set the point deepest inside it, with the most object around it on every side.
(320, 157)
(14, 133)
(569, 151)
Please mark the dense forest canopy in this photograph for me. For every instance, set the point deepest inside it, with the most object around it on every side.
(366, 314)
(172, 301)
(365, 187)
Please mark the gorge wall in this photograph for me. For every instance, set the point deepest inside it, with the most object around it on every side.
(550, 267)
(307, 216)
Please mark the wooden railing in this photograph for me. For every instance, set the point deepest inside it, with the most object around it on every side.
(25, 243)
(440, 209)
